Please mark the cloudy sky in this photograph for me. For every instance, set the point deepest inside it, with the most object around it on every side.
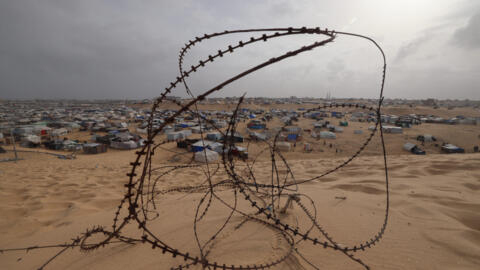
(129, 49)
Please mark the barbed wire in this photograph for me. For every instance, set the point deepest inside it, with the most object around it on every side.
(139, 204)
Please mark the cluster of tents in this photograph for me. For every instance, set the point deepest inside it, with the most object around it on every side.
(446, 147)
(208, 151)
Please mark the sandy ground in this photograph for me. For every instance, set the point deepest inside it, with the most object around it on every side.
(434, 218)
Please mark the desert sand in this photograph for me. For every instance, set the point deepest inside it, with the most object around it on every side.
(434, 218)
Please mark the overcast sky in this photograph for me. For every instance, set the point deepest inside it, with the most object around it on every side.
(129, 49)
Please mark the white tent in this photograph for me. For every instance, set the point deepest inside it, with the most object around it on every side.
(33, 139)
(427, 138)
(206, 156)
(124, 145)
(327, 135)
(283, 146)
(59, 132)
(338, 129)
(392, 129)
(142, 130)
(214, 136)
(408, 146)
(178, 135)
(197, 129)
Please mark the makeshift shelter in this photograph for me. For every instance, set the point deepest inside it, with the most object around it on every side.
(175, 135)
(126, 141)
(392, 129)
(214, 136)
(71, 145)
(451, 149)
(255, 124)
(319, 125)
(292, 137)
(168, 129)
(201, 145)
(258, 136)
(185, 143)
(217, 147)
(307, 147)
(292, 129)
(283, 146)
(60, 132)
(124, 145)
(94, 148)
(337, 114)
(327, 135)
(103, 139)
(41, 130)
(22, 131)
(30, 141)
(237, 137)
(198, 129)
(178, 135)
(410, 147)
(206, 156)
(343, 123)
(54, 145)
(358, 131)
(142, 130)
(426, 138)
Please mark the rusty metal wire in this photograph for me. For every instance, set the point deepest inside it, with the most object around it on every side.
(142, 195)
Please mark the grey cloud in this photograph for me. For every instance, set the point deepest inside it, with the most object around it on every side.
(468, 36)
(413, 46)
(129, 49)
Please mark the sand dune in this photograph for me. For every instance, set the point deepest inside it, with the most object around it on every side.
(434, 217)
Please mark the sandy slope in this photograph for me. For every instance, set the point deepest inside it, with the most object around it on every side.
(434, 217)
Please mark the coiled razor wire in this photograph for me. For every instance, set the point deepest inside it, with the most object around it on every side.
(142, 195)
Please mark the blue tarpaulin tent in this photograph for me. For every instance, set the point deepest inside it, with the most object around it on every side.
(292, 137)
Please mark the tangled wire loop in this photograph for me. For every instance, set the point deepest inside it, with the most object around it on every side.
(142, 193)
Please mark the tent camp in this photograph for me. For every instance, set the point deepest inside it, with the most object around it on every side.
(206, 156)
